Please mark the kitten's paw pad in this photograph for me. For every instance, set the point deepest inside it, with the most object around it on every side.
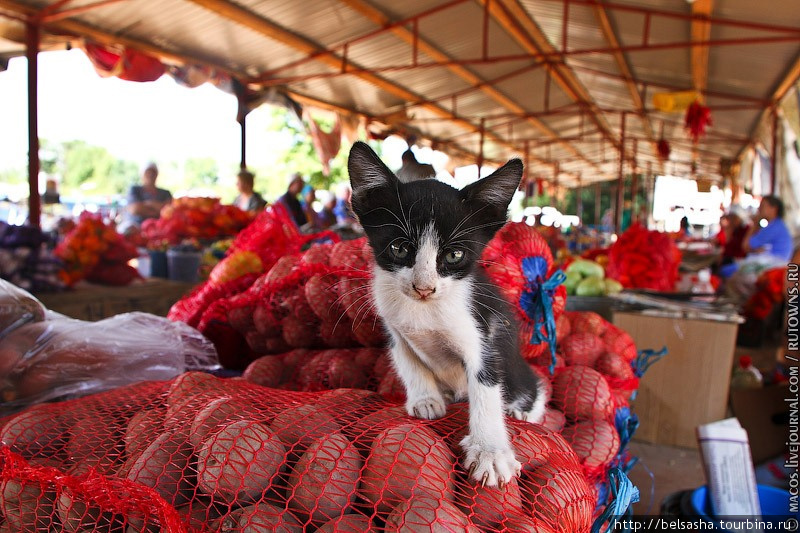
(429, 408)
(489, 467)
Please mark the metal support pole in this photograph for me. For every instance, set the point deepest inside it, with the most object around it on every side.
(775, 151)
(621, 179)
(579, 199)
(240, 90)
(32, 36)
(598, 216)
(480, 148)
(243, 156)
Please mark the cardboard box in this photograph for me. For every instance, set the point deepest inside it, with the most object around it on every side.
(689, 386)
(764, 414)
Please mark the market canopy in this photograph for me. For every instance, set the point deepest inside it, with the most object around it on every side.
(571, 86)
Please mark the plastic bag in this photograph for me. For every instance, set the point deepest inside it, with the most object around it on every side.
(17, 308)
(59, 358)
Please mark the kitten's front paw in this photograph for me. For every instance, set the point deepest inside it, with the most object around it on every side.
(487, 466)
(429, 408)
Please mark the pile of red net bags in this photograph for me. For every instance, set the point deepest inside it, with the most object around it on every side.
(643, 259)
(271, 237)
(194, 218)
(316, 438)
(93, 250)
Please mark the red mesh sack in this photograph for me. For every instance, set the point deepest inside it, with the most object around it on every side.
(587, 321)
(618, 341)
(582, 348)
(318, 299)
(644, 259)
(202, 453)
(581, 392)
(270, 236)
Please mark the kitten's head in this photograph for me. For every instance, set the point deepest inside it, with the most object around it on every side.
(427, 234)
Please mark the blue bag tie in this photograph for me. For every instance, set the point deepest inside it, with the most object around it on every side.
(537, 302)
(644, 360)
(626, 423)
(623, 494)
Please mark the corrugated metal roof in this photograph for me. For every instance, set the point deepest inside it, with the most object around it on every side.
(568, 114)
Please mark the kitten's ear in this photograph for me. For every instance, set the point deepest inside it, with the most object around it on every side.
(366, 170)
(497, 188)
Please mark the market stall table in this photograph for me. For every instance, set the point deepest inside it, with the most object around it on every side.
(88, 301)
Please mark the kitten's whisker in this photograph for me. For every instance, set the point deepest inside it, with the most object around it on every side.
(344, 313)
(464, 221)
(473, 228)
(403, 226)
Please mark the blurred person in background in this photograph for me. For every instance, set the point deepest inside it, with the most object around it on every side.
(767, 247)
(248, 199)
(307, 198)
(291, 203)
(146, 200)
(735, 226)
(51, 195)
(343, 210)
(413, 170)
(774, 240)
(327, 217)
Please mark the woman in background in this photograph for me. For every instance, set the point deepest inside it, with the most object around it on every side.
(248, 199)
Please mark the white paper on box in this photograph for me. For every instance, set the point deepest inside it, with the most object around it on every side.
(729, 469)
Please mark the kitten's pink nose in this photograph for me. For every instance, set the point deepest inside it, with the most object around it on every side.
(424, 292)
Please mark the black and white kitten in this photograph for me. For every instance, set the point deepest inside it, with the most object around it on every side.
(453, 337)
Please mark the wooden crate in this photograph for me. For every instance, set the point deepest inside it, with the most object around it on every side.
(689, 386)
(96, 302)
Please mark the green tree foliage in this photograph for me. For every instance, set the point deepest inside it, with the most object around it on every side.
(201, 172)
(300, 157)
(87, 169)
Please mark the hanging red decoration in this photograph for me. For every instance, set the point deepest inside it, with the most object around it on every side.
(698, 117)
(664, 149)
(124, 63)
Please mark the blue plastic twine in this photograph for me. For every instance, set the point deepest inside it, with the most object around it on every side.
(623, 494)
(537, 302)
(644, 360)
(626, 423)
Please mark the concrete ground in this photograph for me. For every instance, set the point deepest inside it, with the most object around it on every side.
(661, 471)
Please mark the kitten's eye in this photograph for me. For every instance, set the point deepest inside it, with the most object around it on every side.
(400, 251)
(454, 257)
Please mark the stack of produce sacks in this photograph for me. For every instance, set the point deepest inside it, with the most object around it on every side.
(201, 453)
(254, 251)
(194, 218)
(593, 363)
(319, 298)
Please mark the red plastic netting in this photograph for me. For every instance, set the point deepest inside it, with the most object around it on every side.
(585, 395)
(206, 454)
(643, 259)
(269, 238)
(319, 298)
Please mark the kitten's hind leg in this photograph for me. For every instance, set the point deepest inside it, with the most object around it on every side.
(529, 407)
(526, 394)
(423, 397)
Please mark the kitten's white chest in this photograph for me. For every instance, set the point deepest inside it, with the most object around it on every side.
(437, 330)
